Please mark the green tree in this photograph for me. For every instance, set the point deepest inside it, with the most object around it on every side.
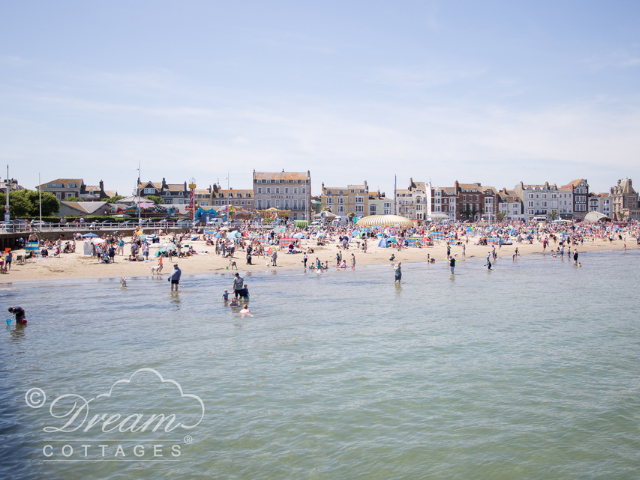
(621, 215)
(155, 199)
(327, 209)
(553, 214)
(50, 204)
(72, 199)
(19, 205)
(466, 213)
(500, 216)
(115, 198)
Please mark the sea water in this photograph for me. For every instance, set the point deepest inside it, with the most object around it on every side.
(530, 370)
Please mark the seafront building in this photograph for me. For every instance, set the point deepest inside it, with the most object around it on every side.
(510, 205)
(284, 191)
(83, 209)
(352, 200)
(542, 200)
(240, 199)
(441, 202)
(601, 203)
(412, 202)
(75, 187)
(171, 193)
(624, 201)
(379, 204)
(580, 191)
(475, 202)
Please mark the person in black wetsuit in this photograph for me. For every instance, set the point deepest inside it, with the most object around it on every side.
(18, 312)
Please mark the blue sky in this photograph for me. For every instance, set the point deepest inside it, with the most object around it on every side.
(479, 91)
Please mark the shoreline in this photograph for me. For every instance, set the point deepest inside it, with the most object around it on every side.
(75, 266)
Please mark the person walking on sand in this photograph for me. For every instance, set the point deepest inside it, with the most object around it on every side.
(174, 278)
(398, 272)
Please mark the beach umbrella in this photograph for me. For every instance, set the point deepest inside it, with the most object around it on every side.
(217, 235)
(89, 235)
(299, 235)
(146, 205)
(233, 234)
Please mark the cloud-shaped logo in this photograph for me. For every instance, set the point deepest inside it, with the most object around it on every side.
(162, 380)
(74, 409)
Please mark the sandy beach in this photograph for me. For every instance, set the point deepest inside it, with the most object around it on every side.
(78, 266)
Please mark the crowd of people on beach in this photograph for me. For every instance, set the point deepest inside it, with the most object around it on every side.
(256, 242)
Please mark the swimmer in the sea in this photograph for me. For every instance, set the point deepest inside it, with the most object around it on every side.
(245, 310)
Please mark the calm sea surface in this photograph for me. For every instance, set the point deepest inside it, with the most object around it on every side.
(529, 371)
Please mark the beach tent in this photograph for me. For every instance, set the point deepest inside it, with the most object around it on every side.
(594, 217)
(383, 243)
(300, 235)
(384, 221)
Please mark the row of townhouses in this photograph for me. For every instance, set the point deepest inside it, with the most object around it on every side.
(420, 201)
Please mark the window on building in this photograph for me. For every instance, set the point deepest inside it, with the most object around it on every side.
(268, 189)
(259, 189)
(286, 190)
(359, 199)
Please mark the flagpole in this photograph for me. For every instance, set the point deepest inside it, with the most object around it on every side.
(40, 198)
